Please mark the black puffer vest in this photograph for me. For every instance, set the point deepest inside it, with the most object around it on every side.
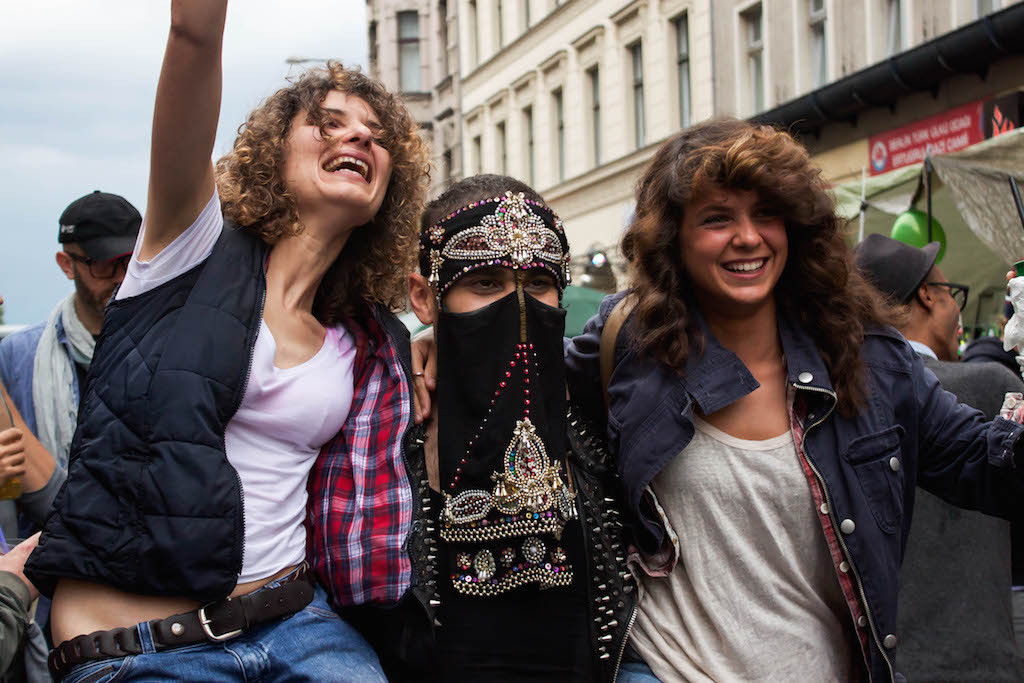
(151, 504)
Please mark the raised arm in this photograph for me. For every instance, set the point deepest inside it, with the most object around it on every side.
(184, 122)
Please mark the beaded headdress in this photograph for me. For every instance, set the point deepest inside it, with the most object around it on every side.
(510, 231)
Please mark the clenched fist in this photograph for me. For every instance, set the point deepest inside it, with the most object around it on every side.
(12, 455)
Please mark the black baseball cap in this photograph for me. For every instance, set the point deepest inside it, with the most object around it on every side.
(897, 269)
(105, 225)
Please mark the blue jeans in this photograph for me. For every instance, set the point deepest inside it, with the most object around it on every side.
(311, 645)
(635, 670)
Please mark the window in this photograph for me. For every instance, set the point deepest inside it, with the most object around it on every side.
(409, 51)
(526, 14)
(594, 78)
(446, 162)
(478, 155)
(474, 34)
(528, 138)
(637, 58)
(442, 13)
(755, 56)
(502, 141)
(816, 16)
(894, 26)
(500, 18)
(559, 108)
(683, 69)
(373, 44)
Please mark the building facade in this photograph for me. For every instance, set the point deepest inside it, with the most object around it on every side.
(413, 47)
(575, 96)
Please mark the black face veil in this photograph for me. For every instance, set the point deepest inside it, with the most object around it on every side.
(502, 444)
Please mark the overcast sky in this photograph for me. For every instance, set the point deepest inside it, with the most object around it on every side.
(77, 80)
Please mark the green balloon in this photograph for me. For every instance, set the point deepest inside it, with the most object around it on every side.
(911, 227)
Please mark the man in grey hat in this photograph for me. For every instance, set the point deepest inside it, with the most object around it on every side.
(954, 602)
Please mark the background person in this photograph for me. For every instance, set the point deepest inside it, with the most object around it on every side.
(226, 362)
(44, 366)
(954, 605)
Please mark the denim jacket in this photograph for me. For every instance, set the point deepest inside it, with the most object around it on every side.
(17, 367)
(862, 470)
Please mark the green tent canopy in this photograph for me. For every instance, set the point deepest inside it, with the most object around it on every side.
(580, 304)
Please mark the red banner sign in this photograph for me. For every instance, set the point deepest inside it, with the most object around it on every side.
(946, 132)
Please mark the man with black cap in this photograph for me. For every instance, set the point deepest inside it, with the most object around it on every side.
(44, 366)
(954, 601)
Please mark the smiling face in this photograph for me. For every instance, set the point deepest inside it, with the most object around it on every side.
(734, 248)
(347, 173)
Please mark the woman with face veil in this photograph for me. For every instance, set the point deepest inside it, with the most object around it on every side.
(530, 571)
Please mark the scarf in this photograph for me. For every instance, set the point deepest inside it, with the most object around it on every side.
(53, 379)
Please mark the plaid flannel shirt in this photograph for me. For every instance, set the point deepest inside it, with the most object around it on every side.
(359, 510)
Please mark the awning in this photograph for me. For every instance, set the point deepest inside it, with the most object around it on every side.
(971, 199)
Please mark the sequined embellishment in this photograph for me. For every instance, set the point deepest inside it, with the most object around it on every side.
(558, 555)
(533, 550)
(529, 481)
(436, 233)
(484, 565)
(508, 556)
(468, 506)
(513, 230)
(463, 560)
(436, 261)
(541, 576)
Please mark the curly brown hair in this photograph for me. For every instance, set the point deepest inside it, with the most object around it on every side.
(820, 286)
(375, 262)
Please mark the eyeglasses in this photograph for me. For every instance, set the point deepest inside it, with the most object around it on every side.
(104, 270)
(957, 291)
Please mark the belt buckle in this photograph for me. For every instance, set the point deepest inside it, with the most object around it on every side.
(204, 622)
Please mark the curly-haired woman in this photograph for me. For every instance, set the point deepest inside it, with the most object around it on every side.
(252, 328)
(770, 426)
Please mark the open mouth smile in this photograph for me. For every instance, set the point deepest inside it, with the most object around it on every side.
(745, 267)
(346, 162)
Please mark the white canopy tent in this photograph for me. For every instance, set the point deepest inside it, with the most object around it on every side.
(971, 199)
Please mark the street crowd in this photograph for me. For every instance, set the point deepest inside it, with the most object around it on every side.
(222, 458)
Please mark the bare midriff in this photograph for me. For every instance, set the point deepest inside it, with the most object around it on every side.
(81, 607)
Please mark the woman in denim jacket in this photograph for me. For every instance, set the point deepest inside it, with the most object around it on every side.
(770, 426)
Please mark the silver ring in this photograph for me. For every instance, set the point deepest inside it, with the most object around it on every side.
(417, 374)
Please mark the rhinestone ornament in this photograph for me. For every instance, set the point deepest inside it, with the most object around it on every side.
(533, 550)
(484, 565)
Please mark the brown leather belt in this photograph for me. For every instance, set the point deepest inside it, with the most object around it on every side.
(218, 621)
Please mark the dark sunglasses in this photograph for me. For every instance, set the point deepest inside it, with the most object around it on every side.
(103, 269)
(957, 291)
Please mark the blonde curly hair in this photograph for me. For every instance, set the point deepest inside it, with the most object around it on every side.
(377, 258)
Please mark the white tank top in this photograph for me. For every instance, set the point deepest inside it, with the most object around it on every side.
(283, 420)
